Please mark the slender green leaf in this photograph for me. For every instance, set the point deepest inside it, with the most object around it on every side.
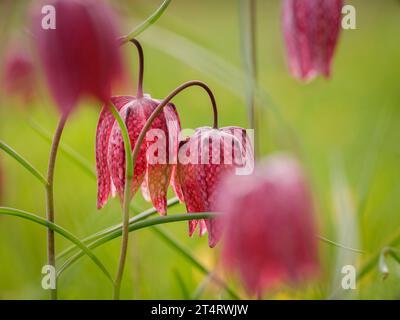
(23, 162)
(182, 285)
(133, 227)
(148, 22)
(56, 228)
(143, 215)
(202, 287)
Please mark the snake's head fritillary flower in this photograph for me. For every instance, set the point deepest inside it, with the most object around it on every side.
(18, 76)
(157, 156)
(81, 55)
(203, 160)
(311, 30)
(269, 230)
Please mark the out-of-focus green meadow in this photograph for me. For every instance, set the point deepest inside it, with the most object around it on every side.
(345, 130)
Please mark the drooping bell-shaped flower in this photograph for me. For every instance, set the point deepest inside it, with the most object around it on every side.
(311, 30)
(18, 76)
(157, 156)
(203, 160)
(269, 229)
(77, 45)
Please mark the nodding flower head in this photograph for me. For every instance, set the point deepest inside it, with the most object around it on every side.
(19, 73)
(269, 230)
(155, 162)
(203, 160)
(80, 52)
(311, 30)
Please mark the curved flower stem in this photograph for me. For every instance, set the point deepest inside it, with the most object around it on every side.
(139, 93)
(130, 161)
(129, 164)
(163, 103)
(50, 196)
(147, 23)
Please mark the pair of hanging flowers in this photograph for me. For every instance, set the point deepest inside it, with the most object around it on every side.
(267, 218)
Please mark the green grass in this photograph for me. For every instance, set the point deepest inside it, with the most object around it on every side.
(355, 115)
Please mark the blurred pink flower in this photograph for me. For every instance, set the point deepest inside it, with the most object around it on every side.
(201, 167)
(311, 29)
(81, 55)
(19, 73)
(269, 230)
(152, 171)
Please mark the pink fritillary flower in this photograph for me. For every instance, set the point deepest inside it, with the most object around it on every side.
(157, 156)
(203, 160)
(19, 73)
(311, 30)
(270, 234)
(81, 55)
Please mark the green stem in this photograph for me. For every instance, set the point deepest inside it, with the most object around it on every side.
(249, 51)
(133, 227)
(198, 292)
(182, 285)
(56, 228)
(143, 215)
(163, 103)
(50, 197)
(23, 162)
(131, 161)
(147, 23)
(326, 240)
(129, 167)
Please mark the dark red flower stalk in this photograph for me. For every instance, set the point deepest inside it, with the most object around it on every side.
(81, 56)
(19, 76)
(311, 29)
(203, 160)
(270, 235)
(157, 156)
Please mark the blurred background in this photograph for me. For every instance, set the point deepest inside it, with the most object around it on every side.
(345, 130)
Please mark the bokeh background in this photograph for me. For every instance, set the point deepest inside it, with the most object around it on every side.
(345, 130)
